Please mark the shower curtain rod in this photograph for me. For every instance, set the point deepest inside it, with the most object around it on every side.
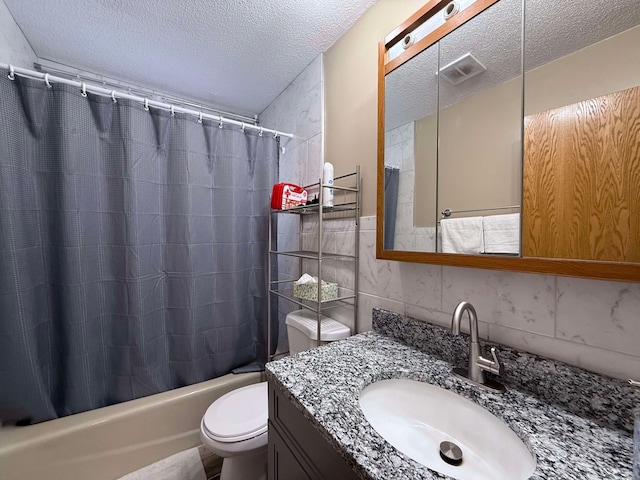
(114, 94)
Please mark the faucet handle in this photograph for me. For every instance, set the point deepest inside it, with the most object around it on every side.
(496, 359)
(490, 366)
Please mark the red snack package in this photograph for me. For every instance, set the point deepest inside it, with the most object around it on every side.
(287, 195)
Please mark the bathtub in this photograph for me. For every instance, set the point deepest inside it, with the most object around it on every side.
(109, 442)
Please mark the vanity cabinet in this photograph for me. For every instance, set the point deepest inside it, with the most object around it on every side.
(282, 461)
(297, 451)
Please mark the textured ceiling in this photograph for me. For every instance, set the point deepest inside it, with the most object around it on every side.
(552, 30)
(234, 54)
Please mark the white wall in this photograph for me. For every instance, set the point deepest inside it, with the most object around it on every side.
(298, 110)
(14, 47)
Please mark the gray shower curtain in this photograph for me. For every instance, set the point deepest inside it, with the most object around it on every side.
(391, 186)
(132, 249)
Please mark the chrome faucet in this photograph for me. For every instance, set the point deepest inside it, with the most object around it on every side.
(478, 365)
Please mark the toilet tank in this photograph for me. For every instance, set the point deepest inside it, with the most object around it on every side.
(302, 330)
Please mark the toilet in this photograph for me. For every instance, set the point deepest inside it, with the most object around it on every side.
(234, 427)
(302, 330)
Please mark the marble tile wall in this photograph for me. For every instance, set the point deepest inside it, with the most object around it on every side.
(338, 237)
(592, 324)
(14, 47)
(399, 152)
(299, 109)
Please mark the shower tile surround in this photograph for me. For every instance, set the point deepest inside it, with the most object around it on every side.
(298, 110)
(578, 424)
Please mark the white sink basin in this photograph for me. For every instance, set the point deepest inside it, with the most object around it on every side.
(415, 417)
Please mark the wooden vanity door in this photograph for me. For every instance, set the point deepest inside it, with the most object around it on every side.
(282, 462)
(581, 180)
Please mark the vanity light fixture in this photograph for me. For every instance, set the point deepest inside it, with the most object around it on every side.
(407, 41)
(450, 10)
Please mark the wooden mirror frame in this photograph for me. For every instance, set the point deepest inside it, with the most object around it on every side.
(618, 271)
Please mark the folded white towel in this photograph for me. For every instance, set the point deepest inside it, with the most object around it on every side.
(462, 235)
(501, 233)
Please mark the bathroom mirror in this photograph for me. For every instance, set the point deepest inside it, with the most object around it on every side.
(537, 172)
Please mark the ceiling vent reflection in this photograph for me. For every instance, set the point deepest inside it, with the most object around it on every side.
(462, 69)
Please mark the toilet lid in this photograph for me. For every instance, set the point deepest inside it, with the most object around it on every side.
(238, 415)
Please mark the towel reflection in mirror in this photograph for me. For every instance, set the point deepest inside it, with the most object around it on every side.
(491, 234)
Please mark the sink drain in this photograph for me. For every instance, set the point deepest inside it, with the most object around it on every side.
(451, 453)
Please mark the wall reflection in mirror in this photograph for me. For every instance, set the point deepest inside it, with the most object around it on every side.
(479, 160)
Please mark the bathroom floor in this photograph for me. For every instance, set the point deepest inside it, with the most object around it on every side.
(211, 462)
(192, 464)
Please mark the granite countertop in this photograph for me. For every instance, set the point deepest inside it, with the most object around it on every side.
(578, 425)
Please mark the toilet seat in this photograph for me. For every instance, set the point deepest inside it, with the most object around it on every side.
(238, 415)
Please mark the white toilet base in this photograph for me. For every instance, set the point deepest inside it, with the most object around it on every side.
(245, 467)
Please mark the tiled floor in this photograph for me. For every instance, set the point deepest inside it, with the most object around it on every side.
(211, 462)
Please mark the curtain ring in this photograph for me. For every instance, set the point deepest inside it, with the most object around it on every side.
(12, 73)
(46, 80)
(173, 111)
(242, 127)
(200, 117)
(113, 96)
(83, 89)
(261, 132)
(275, 135)
(220, 123)
(146, 104)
